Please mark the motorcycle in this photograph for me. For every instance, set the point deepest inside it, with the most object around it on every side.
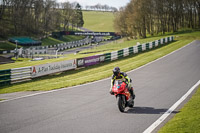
(120, 90)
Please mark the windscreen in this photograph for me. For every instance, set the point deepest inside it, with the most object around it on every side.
(118, 82)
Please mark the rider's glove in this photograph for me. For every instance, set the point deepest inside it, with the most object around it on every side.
(112, 93)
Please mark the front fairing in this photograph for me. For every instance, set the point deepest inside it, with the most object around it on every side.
(119, 86)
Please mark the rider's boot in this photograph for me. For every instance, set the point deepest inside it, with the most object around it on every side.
(132, 93)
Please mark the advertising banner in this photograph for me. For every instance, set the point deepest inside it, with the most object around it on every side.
(54, 67)
(89, 61)
(85, 33)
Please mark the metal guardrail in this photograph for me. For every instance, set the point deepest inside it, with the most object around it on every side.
(20, 74)
(61, 46)
(5, 77)
(11, 76)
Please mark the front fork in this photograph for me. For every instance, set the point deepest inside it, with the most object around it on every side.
(124, 99)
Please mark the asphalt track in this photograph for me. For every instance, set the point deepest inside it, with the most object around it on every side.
(91, 109)
(71, 51)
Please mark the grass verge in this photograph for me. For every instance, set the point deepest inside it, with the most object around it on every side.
(188, 120)
(97, 72)
(113, 46)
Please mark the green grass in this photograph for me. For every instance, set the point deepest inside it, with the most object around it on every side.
(187, 120)
(98, 21)
(70, 38)
(20, 59)
(104, 70)
(7, 46)
(117, 45)
(120, 44)
(50, 41)
(46, 41)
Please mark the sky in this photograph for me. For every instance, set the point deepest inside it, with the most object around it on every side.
(113, 3)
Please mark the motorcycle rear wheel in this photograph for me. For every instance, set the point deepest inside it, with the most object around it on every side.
(121, 103)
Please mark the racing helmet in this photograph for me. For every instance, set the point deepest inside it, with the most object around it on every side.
(116, 71)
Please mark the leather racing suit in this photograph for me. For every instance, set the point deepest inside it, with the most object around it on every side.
(126, 79)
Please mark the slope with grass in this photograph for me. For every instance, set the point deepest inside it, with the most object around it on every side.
(5, 45)
(70, 38)
(50, 41)
(76, 77)
(98, 21)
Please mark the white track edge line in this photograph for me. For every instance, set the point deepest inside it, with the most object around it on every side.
(97, 80)
(170, 110)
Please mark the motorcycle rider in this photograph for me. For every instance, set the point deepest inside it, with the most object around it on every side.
(121, 75)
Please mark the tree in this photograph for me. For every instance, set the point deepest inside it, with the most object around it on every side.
(67, 14)
(155, 16)
(198, 12)
(79, 16)
(38, 10)
(119, 25)
(2, 8)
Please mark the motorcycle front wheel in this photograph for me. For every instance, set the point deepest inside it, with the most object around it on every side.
(121, 103)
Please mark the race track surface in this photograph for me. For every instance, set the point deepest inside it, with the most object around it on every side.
(91, 109)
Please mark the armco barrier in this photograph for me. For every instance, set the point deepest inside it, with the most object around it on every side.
(11, 76)
(126, 51)
(15, 75)
(44, 49)
(93, 60)
(5, 77)
(20, 74)
(114, 55)
(120, 53)
(131, 50)
(107, 56)
(139, 48)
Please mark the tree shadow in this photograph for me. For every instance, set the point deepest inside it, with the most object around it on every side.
(148, 110)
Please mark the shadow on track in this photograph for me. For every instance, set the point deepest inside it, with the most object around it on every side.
(147, 110)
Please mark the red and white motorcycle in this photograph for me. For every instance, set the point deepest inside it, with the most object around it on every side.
(124, 99)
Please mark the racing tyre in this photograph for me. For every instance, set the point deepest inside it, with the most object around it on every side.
(121, 103)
